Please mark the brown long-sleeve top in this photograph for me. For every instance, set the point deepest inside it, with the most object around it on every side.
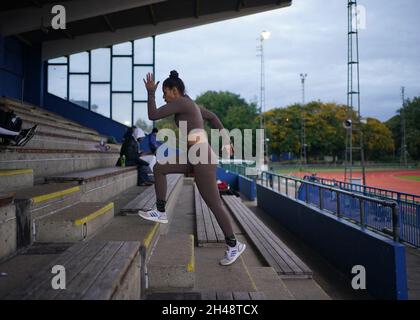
(184, 109)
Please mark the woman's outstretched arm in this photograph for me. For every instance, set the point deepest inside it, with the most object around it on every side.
(162, 112)
(217, 124)
(212, 118)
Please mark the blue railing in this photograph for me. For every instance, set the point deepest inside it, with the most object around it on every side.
(408, 207)
(378, 215)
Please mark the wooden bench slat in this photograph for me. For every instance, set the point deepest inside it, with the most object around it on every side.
(218, 231)
(87, 276)
(281, 258)
(265, 249)
(211, 234)
(73, 268)
(45, 273)
(147, 199)
(241, 296)
(286, 254)
(286, 265)
(201, 230)
(222, 295)
(208, 295)
(105, 285)
(208, 229)
(257, 295)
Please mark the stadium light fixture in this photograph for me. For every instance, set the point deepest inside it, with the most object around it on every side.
(265, 35)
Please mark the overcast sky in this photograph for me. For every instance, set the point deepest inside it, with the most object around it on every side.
(309, 37)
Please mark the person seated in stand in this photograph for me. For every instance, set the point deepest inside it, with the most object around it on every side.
(149, 146)
(11, 128)
(130, 149)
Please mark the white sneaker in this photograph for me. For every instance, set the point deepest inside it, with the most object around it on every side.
(154, 215)
(233, 253)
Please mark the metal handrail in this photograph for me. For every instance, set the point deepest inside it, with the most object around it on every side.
(387, 203)
(392, 192)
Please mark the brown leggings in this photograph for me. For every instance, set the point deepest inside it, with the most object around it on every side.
(205, 178)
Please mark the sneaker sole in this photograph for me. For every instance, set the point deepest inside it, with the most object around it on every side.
(236, 258)
(152, 219)
(27, 138)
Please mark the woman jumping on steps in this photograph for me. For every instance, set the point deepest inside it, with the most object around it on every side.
(184, 109)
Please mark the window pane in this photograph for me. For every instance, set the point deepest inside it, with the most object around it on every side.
(143, 51)
(141, 119)
(100, 99)
(122, 48)
(79, 62)
(101, 65)
(58, 60)
(79, 90)
(122, 74)
(57, 81)
(140, 92)
(121, 108)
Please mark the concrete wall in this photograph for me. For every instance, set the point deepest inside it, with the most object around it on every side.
(7, 231)
(342, 243)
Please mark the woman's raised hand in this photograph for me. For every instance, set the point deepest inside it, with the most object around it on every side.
(150, 82)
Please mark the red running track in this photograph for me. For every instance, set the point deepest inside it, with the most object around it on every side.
(389, 180)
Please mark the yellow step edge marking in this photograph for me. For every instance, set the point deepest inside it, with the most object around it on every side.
(254, 286)
(53, 195)
(12, 172)
(95, 214)
(191, 265)
(148, 239)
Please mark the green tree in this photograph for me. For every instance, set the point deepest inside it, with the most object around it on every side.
(232, 110)
(412, 116)
(378, 140)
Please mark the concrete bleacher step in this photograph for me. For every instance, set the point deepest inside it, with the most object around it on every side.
(8, 239)
(169, 268)
(46, 162)
(14, 179)
(207, 295)
(75, 223)
(52, 141)
(54, 128)
(25, 109)
(39, 201)
(100, 184)
(233, 295)
(54, 123)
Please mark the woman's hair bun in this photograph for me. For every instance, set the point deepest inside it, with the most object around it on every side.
(174, 74)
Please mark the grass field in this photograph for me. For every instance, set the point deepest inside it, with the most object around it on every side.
(412, 178)
(389, 178)
(288, 170)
